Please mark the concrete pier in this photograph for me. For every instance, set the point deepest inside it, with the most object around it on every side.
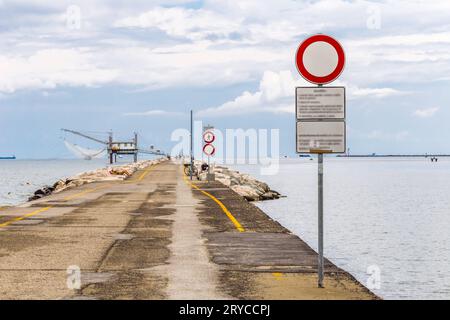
(158, 236)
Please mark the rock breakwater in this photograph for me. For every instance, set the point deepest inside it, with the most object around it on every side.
(243, 184)
(113, 173)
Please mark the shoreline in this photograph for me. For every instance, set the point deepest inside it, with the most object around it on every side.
(109, 173)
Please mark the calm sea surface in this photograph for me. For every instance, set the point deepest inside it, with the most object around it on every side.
(393, 214)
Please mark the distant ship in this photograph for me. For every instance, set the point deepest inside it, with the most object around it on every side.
(8, 158)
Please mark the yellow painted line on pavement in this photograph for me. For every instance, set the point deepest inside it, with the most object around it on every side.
(143, 174)
(236, 223)
(7, 223)
(277, 275)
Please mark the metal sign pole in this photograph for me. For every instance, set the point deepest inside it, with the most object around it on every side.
(209, 171)
(192, 144)
(320, 217)
(320, 193)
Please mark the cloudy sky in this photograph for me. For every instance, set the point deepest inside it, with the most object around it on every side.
(141, 65)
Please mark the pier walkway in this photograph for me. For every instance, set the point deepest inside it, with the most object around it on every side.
(157, 236)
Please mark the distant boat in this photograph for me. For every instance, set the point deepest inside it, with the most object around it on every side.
(8, 158)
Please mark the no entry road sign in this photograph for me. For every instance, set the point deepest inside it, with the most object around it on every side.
(209, 150)
(320, 59)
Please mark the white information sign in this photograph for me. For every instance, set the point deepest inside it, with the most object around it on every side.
(327, 103)
(321, 136)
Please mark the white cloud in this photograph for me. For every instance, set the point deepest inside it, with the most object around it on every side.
(47, 69)
(187, 66)
(426, 113)
(220, 44)
(374, 92)
(388, 136)
(193, 24)
(151, 113)
(274, 88)
(217, 25)
(276, 95)
(406, 39)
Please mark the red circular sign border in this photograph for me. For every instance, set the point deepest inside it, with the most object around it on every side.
(308, 76)
(208, 142)
(214, 148)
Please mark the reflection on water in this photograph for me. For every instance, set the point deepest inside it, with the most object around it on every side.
(390, 213)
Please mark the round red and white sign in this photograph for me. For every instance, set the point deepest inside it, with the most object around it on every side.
(209, 137)
(209, 149)
(320, 59)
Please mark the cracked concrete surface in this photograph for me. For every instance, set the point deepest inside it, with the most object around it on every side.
(191, 273)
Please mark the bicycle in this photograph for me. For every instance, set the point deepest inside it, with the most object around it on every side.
(187, 170)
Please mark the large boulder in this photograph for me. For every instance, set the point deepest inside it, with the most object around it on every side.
(120, 171)
(247, 192)
(244, 184)
(270, 195)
